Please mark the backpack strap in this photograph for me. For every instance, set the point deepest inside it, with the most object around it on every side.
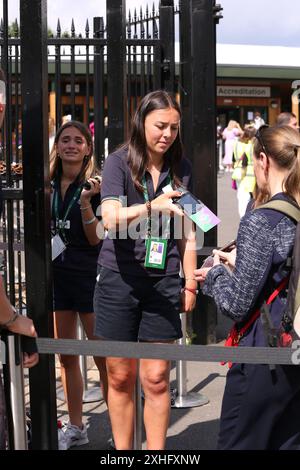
(285, 207)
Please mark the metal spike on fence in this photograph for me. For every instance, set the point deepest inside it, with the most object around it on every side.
(155, 29)
(16, 29)
(147, 11)
(153, 10)
(135, 16)
(102, 27)
(1, 29)
(87, 29)
(129, 25)
(58, 29)
(72, 29)
(142, 30)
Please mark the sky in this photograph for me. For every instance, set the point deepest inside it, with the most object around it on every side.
(265, 22)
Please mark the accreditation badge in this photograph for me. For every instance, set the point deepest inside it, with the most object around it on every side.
(156, 250)
(57, 246)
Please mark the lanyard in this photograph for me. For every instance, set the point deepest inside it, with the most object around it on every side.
(61, 227)
(146, 199)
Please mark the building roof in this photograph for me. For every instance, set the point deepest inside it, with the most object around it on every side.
(244, 60)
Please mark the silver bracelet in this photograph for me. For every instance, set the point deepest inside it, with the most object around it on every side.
(88, 222)
(85, 208)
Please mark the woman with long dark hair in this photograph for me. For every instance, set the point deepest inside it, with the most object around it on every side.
(75, 250)
(138, 294)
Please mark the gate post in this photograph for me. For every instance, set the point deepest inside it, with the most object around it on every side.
(203, 149)
(167, 39)
(116, 72)
(34, 82)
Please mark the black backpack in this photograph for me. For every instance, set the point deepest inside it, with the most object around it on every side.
(290, 324)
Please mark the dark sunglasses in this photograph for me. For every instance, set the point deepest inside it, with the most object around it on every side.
(259, 137)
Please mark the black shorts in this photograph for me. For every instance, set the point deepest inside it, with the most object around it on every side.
(72, 291)
(130, 308)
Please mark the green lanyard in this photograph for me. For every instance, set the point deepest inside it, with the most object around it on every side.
(146, 199)
(61, 224)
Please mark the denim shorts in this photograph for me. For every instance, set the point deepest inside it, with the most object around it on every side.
(130, 308)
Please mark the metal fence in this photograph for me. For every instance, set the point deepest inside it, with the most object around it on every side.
(99, 76)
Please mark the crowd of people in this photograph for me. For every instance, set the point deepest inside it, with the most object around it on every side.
(236, 155)
(119, 272)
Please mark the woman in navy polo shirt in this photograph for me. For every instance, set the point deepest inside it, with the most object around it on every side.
(75, 248)
(138, 292)
(261, 405)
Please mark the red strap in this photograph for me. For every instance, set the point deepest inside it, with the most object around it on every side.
(235, 335)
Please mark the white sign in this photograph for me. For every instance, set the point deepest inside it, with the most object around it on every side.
(68, 88)
(244, 91)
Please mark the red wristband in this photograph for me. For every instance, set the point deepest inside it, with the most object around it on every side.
(193, 291)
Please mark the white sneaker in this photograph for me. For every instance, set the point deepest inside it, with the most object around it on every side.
(62, 441)
(76, 436)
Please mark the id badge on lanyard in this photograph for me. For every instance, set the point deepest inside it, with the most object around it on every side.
(156, 251)
(58, 241)
(156, 248)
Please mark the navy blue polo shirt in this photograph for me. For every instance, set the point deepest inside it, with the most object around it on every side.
(79, 255)
(122, 253)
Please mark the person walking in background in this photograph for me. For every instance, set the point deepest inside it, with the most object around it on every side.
(287, 119)
(230, 135)
(75, 251)
(261, 405)
(258, 120)
(243, 172)
(138, 294)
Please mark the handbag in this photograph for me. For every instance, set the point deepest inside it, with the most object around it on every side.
(233, 184)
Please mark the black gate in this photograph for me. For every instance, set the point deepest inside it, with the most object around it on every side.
(98, 78)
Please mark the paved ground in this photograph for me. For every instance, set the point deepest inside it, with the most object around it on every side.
(190, 428)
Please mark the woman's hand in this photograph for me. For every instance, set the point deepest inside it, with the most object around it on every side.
(30, 360)
(188, 301)
(23, 326)
(227, 258)
(200, 274)
(164, 203)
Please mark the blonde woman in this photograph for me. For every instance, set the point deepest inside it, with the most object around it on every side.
(230, 135)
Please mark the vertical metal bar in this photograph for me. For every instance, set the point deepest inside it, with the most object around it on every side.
(82, 359)
(116, 71)
(138, 415)
(156, 58)
(185, 77)
(99, 92)
(73, 72)
(142, 55)
(6, 68)
(203, 151)
(184, 399)
(135, 79)
(34, 81)
(167, 38)
(87, 76)
(129, 77)
(17, 394)
(58, 107)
